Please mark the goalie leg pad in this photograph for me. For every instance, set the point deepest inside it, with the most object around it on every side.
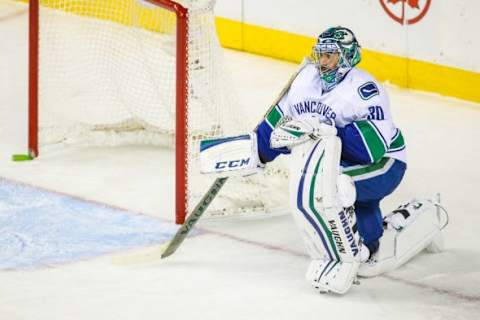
(332, 276)
(315, 201)
(313, 226)
(327, 227)
(410, 229)
(346, 192)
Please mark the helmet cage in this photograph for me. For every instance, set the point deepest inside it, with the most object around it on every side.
(340, 40)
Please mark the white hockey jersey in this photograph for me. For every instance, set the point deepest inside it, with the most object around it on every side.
(358, 106)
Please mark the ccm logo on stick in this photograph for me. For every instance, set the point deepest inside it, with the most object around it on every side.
(232, 163)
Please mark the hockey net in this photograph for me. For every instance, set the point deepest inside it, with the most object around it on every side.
(108, 73)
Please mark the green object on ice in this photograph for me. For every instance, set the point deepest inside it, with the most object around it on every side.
(22, 157)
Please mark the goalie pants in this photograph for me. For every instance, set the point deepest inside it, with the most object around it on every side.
(373, 183)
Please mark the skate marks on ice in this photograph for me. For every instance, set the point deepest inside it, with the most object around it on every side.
(454, 273)
(39, 228)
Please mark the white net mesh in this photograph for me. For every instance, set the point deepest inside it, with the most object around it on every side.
(107, 77)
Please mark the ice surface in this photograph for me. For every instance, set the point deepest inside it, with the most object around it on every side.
(39, 228)
(240, 269)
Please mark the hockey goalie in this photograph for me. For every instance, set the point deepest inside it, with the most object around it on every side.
(327, 207)
(346, 155)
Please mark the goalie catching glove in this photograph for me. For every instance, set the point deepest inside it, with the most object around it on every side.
(291, 132)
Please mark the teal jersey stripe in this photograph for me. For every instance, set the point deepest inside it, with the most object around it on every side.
(372, 138)
(315, 212)
(273, 117)
(398, 142)
(361, 170)
(397, 133)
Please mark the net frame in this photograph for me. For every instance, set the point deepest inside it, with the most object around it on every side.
(181, 100)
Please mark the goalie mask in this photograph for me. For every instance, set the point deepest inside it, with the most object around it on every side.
(335, 53)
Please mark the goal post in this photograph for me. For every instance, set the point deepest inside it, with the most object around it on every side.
(181, 93)
(33, 55)
(116, 72)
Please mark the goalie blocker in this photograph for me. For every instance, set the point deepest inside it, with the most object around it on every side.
(230, 156)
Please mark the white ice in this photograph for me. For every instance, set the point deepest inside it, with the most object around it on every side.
(240, 269)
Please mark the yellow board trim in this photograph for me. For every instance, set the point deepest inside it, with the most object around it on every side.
(263, 41)
(404, 72)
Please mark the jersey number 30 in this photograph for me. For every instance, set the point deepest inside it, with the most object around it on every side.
(375, 113)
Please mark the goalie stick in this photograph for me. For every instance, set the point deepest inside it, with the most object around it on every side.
(192, 218)
(202, 206)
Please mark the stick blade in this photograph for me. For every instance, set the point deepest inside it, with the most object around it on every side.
(169, 249)
(144, 256)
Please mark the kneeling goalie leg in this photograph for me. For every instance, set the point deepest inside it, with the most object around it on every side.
(320, 196)
(410, 229)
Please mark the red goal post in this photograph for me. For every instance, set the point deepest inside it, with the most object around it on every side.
(181, 94)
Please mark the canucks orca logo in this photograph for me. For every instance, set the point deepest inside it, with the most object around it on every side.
(368, 90)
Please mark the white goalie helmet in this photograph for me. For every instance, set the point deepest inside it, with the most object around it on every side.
(339, 40)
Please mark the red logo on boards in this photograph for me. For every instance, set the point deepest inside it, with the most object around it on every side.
(406, 11)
